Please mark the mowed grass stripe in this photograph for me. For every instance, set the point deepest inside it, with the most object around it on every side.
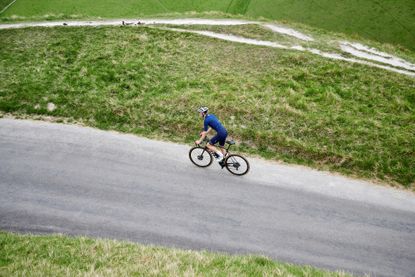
(4, 4)
(383, 21)
(87, 8)
(112, 9)
(279, 104)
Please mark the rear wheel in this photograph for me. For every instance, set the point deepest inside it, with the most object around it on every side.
(237, 164)
(200, 156)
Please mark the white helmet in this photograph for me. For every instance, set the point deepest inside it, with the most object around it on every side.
(203, 109)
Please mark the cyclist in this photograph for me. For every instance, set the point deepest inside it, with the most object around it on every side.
(212, 122)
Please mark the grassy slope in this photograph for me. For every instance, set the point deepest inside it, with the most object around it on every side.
(4, 3)
(106, 8)
(323, 40)
(195, 5)
(385, 21)
(281, 104)
(113, 8)
(28, 255)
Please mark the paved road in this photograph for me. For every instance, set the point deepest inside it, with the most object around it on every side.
(82, 181)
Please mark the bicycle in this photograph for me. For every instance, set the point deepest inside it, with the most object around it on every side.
(235, 164)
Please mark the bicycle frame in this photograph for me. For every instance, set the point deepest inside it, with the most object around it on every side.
(232, 162)
(206, 140)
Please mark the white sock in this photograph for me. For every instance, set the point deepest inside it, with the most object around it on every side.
(220, 155)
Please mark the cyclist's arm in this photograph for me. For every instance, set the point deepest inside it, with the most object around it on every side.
(203, 135)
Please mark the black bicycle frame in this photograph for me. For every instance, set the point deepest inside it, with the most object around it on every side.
(207, 149)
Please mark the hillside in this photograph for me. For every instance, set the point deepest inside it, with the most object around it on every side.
(281, 104)
(384, 21)
(325, 84)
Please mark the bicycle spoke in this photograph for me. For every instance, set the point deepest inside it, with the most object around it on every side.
(237, 165)
(200, 157)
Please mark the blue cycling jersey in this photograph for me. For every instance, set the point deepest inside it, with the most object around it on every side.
(212, 121)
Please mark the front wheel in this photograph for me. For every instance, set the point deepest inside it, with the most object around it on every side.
(237, 165)
(200, 156)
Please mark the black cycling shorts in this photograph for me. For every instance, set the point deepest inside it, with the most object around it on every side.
(219, 137)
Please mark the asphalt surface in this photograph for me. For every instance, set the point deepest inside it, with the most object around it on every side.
(82, 181)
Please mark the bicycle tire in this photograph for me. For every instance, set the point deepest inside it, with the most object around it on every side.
(232, 164)
(197, 154)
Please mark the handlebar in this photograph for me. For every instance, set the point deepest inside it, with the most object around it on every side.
(206, 139)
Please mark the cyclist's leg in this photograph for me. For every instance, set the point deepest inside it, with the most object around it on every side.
(222, 140)
(211, 143)
(211, 147)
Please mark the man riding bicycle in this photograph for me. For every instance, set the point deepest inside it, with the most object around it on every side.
(212, 122)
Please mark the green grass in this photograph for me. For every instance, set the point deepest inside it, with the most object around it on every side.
(385, 21)
(253, 31)
(113, 8)
(57, 255)
(4, 3)
(323, 40)
(279, 104)
(390, 22)
(258, 32)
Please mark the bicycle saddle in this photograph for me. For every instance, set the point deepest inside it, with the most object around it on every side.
(231, 142)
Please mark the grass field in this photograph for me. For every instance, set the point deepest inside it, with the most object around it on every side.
(113, 8)
(322, 40)
(28, 255)
(279, 104)
(4, 3)
(384, 21)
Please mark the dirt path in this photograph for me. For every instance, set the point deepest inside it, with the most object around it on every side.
(362, 54)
